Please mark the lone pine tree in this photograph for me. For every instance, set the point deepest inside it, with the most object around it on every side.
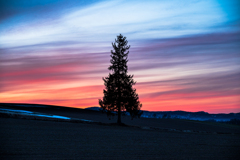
(119, 94)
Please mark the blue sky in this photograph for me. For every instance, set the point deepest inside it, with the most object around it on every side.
(184, 54)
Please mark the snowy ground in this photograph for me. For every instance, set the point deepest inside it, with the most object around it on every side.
(36, 114)
(23, 112)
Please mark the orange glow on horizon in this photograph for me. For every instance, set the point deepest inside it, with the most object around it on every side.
(87, 96)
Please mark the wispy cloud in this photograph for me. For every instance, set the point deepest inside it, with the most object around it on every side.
(142, 19)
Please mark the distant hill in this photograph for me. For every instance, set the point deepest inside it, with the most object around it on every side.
(94, 108)
(200, 116)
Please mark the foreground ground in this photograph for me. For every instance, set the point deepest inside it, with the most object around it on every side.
(145, 138)
(37, 139)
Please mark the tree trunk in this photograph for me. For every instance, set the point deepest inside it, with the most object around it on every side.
(119, 114)
(119, 105)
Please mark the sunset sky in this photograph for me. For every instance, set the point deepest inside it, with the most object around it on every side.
(185, 55)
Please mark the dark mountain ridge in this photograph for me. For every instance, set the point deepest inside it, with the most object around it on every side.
(200, 116)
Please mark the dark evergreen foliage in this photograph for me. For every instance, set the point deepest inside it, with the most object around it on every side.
(119, 94)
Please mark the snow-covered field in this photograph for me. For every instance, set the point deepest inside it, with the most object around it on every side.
(23, 112)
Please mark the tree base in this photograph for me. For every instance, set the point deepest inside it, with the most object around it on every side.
(119, 124)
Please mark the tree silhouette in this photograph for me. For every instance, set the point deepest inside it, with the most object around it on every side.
(119, 94)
